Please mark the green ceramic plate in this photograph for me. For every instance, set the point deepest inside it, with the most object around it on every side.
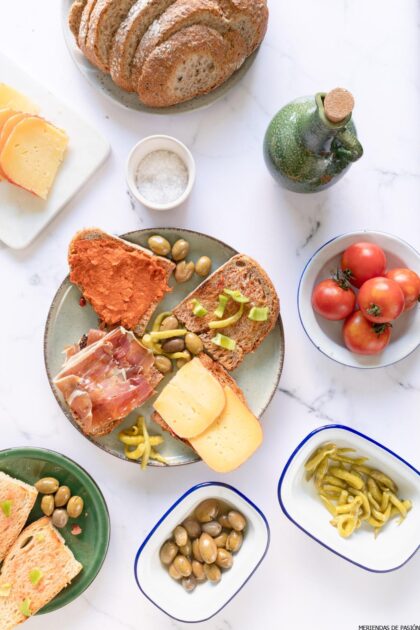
(258, 375)
(91, 546)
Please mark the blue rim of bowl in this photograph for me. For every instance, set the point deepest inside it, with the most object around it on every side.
(163, 518)
(353, 367)
(46, 451)
(291, 458)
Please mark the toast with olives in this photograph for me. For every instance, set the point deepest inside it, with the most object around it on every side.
(16, 502)
(114, 274)
(38, 566)
(243, 274)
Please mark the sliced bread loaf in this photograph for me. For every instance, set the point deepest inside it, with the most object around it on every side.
(239, 273)
(192, 62)
(16, 502)
(105, 19)
(84, 23)
(75, 16)
(105, 267)
(39, 548)
(128, 36)
(249, 17)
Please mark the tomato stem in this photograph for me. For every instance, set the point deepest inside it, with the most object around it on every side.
(374, 310)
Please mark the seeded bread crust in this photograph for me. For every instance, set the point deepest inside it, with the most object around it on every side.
(245, 274)
(22, 497)
(128, 36)
(94, 233)
(75, 16)
(84, 24)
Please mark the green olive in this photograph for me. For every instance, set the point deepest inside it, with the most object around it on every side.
(237, 521)
(234, 541)
(159, 245)
(198, 571)
(224, 521)
(173, 345)
(183, 566)
(203, 266)
(221, 540)
(181, 362)
(213, 528)
(189, 583)
(47, 504)
(174, 573)
(62, 496)
(207, 511)
(184, 271)
(196, 550)
(163, 364)
(224, 559)
(169, 323)
(180, 536)
(47, 485)
(60, 518)
(193, 527)
(208, 548)
(212, 572)
(193, 343)
(75, 507)
(180, 249)
(168, 552)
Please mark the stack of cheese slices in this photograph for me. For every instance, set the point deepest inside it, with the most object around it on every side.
(31, 149)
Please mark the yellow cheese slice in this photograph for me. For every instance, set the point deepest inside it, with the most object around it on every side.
(5, 114)
(32, 155)
(9, 97)
(191, 401)
(6, 130)
(231, 439)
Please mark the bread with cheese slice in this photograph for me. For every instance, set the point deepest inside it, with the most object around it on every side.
(16, 502)
(32, 154)
(233, 435)
(38, 566)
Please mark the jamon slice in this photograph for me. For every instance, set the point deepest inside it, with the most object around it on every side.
(104, 378)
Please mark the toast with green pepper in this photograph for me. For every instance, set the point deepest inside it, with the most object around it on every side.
(16, 502)
(232, 311)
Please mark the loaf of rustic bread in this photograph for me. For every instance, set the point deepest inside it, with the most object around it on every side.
(168, 51)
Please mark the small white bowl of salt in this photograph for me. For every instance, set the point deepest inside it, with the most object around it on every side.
(160, 172)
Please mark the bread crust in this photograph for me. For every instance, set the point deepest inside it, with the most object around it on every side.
(84, 24)
(75, 16)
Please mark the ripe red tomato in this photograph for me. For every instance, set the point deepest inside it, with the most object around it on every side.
(381, 300)
(363, 337)
(362, 261)
(333, 299)
(409, 283)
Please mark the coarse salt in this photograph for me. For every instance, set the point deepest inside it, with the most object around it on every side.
(162, 177)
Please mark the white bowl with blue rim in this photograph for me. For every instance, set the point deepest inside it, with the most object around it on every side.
(207, 599)
(299, 500)
(327, 335)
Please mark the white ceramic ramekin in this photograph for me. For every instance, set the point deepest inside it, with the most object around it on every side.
(298, 498)
(207, 599)
(327, 335)
(159, 143)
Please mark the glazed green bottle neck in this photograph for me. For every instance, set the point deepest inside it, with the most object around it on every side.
(318, 132)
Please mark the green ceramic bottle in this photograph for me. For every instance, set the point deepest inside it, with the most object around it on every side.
(312, 141)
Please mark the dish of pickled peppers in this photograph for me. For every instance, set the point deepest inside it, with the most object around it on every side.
(353, 492)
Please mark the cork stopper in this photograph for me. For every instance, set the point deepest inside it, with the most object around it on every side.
(338, 104)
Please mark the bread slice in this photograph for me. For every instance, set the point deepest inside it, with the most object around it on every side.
(128, 36)
(84, 23)
(105, 19)
(246, 275)
(75, 16)
(97, 277)
(20, 498)
(40, 547)
(179, 16)
(249, 17)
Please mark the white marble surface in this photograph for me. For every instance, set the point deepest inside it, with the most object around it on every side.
(371, 48)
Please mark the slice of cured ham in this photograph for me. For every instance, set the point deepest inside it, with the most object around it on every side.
(105, 377)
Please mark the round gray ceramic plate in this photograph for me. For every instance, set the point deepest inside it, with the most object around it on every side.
(103, 82)
(67, 321)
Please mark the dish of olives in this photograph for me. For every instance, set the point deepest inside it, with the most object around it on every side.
(58, 502)
(202, 547)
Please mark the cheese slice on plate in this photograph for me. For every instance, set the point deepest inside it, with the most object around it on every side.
(191, 401)
(9, 97)
(6, 130)
(231, 439)
(5, 114)
(32, 155)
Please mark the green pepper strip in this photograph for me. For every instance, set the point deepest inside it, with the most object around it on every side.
(230, 321)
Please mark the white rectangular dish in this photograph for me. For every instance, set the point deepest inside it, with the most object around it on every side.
(207, 599)
(23, 215)
(299, 500)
